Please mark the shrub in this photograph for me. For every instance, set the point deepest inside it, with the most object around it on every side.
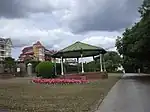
(45, 70)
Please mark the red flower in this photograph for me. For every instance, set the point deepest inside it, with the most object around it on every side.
(59, 81)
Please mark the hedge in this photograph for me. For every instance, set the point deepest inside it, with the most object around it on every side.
(45, 70)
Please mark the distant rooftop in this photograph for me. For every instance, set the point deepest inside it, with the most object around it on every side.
(4, 40)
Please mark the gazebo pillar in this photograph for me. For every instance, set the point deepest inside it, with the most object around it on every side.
(55, 66)
(62, 68)
(82, 63)
(101, 64)
(78, 64)
(104, 64)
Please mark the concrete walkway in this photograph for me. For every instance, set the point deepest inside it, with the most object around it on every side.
(128, 95)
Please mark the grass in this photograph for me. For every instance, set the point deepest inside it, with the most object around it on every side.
(20, 95)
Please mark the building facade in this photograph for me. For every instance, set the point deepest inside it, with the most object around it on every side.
(36, 52)
(5, 48)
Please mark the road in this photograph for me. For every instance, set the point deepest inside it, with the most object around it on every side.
(130, 94)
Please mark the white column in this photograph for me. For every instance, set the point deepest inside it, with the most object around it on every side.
(82, 63)
(55, 66)
(62, 70)
(78, 65)
(104, 64)
(101, 65)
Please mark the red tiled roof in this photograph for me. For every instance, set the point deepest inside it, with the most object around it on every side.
(27, 48)
(40, 46)
(51, 51)
(38, 43)
(28, 53)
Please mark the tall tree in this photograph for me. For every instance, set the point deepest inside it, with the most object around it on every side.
(145, 8)
(135, 42)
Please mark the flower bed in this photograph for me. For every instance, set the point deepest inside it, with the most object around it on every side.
(59, 81)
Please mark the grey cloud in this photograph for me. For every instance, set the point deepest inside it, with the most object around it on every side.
(18, 42)
(104, 42)
(11, 8)
(50, 39)
(110, 15)
(22, 8)
(78, 15)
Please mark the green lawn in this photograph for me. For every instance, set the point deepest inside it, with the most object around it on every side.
(20, 95)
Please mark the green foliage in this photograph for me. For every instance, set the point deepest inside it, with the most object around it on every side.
(9, 64)
(89, 67)
(136, 40)
(45, 70)
(9, 61)
(112, 61)
(131, 64)
(144, 9)
(134, 44)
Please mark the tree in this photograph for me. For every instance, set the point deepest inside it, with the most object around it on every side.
(145, 8)
(112, 62)
(9, 64)
(134, 45)
(119, 45)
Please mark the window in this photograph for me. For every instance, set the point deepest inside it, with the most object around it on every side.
(2, 47)
(41, 51)
(2, 53)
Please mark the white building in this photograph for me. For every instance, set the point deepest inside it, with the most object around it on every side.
(5, 48)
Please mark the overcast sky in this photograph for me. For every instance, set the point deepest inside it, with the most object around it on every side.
(58, 23)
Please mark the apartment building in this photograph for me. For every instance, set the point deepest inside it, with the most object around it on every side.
(5, 48)
(36, 52)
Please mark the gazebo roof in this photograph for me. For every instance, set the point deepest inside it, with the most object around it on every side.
(75, 50)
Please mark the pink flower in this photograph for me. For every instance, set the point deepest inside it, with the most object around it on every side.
(59, 81)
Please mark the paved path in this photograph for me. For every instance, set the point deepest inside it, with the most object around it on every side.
(128, 95)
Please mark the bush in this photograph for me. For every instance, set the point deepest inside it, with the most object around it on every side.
(45, 70)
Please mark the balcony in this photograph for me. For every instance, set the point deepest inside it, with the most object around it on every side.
(2, 49)
(2, 54)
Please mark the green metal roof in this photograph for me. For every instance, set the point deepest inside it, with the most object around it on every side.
(75, 50)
